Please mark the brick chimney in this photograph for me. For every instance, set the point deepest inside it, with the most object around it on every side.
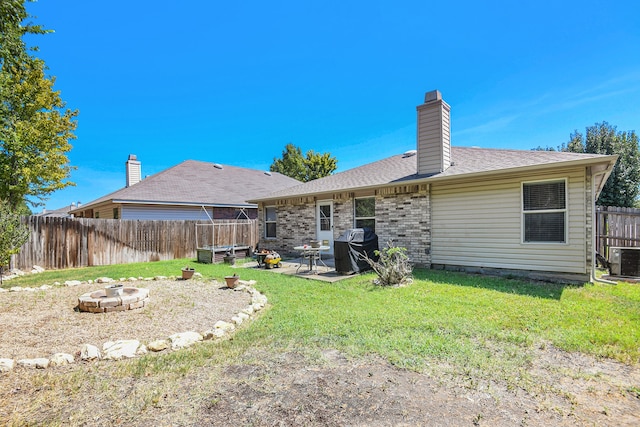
(134, 170)
(434, 139)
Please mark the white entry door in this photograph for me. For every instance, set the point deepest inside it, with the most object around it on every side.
(324, 223)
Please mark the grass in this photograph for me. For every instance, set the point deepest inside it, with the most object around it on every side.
(470, 322)
(473, 327)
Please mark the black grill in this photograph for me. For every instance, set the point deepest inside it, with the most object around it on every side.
(350, 247)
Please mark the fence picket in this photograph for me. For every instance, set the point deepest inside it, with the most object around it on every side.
(57, 243)
(616, 226)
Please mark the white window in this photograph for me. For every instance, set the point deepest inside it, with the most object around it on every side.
(365, 213)
(270, 221)
(544, 212)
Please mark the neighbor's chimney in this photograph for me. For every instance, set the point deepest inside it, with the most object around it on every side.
(434, 139)
(134, 174)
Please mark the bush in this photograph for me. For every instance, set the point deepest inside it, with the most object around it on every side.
(393, 267)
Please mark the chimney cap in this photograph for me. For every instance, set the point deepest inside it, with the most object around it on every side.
(132, 157)
(434, 95)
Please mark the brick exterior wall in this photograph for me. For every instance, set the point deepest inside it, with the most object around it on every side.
(406, 220)
(295, 224)
(403, 218)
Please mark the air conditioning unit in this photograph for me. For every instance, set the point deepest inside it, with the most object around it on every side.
(624, 261)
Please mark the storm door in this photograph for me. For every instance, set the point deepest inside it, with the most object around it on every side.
(324, 223)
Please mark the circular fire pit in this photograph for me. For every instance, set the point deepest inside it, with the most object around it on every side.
(99, 302)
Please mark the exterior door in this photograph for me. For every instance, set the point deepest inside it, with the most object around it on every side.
(324, 226)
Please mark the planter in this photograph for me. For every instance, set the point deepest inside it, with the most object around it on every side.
(232, 281)
(113, 290)
(230, 259)
(187, 273)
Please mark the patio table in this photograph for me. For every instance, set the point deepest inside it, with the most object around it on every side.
(313, 255)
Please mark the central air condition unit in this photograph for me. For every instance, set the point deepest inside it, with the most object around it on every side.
(624, 261)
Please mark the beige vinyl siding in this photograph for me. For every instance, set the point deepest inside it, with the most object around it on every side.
(479, 224)
(104, 211)
(433, 129)
(159, 212)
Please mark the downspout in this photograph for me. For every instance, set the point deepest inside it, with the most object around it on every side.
(593, 233)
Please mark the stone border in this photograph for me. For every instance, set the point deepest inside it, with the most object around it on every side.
(116, 350)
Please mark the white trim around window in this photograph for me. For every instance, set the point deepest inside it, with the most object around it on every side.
(270, 220)
(544, 207)
(364, 212)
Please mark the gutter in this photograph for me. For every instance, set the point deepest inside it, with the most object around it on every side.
(594, 262)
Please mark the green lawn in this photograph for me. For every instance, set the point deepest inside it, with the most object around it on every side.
(480, 324)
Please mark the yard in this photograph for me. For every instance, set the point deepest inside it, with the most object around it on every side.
(449, 349)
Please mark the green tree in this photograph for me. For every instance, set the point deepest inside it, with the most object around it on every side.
(35, 127)
(304, 168)
(13, 234)
(623, 186)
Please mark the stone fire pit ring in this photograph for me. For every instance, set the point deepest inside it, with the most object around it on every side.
(98, 301)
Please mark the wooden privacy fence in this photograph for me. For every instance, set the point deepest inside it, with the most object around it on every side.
(616, 227)
(57, 243)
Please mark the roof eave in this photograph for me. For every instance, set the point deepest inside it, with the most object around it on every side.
(608, 160)
(163, 203)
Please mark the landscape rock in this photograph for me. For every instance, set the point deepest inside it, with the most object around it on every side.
(214, 333)
(3, 290)
(72, 283)
(39, 363)
(37, 269)
(6, 365)
(160, 278)
(158, 345)
(89, 352)
(104, 280)
(116, 350)
(184, 339)
(237, 320)
(248, 310)
(225, 326)
(61, 359)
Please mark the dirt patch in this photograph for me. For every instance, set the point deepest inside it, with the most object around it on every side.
(41, 323)
(287, 391)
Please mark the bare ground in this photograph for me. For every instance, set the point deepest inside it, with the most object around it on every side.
(41, 323)
(281, 389)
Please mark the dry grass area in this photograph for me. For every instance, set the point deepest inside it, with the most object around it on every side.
(41, 323)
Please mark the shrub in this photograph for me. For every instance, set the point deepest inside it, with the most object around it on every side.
(392, 267)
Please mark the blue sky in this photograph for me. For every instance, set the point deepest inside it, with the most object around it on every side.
(234, 82)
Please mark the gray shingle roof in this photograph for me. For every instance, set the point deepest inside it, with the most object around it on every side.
(400, 169)
(201, 183)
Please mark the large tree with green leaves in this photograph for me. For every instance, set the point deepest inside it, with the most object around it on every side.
(623, 186)
(35, 126)
(13, 234)
(304, 168)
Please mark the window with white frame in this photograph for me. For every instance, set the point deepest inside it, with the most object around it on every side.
(365, 213)
(270, 221)
(544, 211)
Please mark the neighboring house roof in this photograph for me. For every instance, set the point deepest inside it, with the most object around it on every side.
(466, 162)
(199, 184)
(61, 212)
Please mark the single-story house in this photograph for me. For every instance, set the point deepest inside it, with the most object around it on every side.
(191, 190)
(506, 211)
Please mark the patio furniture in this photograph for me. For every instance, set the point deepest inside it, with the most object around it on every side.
(312, 256)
